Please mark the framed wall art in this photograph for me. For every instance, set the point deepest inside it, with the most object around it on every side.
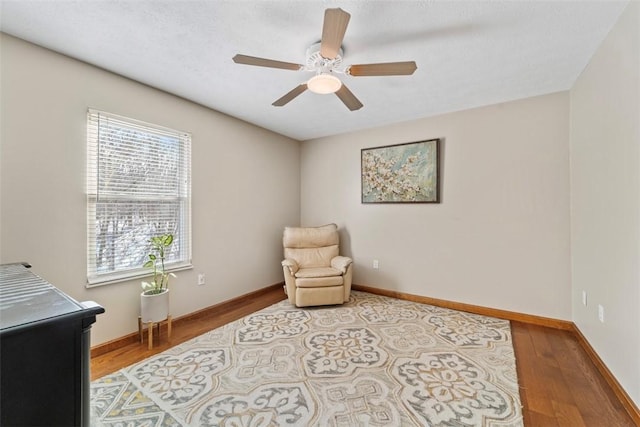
(402, 173)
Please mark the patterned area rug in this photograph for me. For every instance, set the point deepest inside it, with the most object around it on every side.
(375, 361)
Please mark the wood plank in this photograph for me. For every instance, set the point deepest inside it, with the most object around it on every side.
(542, 420)
(621, 395)
(559, 383)
(568, 415)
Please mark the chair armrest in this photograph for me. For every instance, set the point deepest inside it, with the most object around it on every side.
(341, 263)
(291, 264)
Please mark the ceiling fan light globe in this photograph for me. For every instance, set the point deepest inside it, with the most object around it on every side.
(324, 83)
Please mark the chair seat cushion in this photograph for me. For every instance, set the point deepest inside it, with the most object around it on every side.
(319, 282)
(318, 272)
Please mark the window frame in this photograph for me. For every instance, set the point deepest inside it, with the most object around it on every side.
(183, 225)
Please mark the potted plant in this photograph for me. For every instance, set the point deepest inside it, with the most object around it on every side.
(154, 299)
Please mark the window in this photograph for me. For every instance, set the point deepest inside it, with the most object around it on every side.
(138, 186)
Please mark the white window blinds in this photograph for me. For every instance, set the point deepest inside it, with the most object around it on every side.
(138, 186)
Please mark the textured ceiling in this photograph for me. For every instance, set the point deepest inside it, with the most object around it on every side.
(468, 54)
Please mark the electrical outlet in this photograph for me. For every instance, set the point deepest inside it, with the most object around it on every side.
(584, 298)
(601, 313)
(201, 279)
(376, 265)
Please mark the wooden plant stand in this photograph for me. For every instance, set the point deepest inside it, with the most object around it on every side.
(150, 326)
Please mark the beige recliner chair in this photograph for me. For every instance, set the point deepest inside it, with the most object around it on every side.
(314, 272)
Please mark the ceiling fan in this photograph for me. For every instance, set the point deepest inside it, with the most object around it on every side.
(325, 60)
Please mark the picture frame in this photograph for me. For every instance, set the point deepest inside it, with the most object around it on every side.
(401, 173)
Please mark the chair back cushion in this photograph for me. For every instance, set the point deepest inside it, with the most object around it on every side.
(311, 246)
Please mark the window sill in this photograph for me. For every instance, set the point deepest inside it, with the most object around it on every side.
(97, 282)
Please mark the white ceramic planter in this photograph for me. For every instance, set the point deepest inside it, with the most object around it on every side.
(155, 307)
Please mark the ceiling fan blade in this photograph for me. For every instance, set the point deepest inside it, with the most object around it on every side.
(262, 62)
(334, 27)
(290, 95)
(383, 69)
(348, 98)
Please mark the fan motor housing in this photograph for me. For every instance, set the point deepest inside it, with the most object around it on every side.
(318, 63)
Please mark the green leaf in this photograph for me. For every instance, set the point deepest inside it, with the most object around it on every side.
(159, 245)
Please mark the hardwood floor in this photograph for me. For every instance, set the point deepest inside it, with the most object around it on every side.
(182, 331)
(559, 384)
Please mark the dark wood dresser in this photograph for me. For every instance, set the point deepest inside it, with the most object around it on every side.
(44, 352)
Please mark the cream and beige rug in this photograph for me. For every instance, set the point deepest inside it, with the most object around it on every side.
(375, 361)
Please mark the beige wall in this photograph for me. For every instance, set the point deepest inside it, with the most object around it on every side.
(245, 181)
(605, 200)
(500, 237)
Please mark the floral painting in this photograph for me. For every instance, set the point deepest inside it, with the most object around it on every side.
(403, 173)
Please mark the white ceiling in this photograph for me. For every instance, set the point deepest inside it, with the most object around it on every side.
(468, 54)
